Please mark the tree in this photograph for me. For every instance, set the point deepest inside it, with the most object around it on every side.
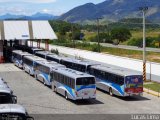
(120, 34)
(104, 38)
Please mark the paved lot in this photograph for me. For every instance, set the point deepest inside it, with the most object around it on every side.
(39, 99)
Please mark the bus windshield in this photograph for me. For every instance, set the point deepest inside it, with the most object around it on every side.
(5, 98)
(134, 81)
(85, 81)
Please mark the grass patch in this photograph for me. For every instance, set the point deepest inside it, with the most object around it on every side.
(152, 86)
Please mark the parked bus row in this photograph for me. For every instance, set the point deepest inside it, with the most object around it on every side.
(117, 81)
(9, 110)
(70, 83)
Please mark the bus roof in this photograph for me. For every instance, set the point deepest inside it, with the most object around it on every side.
(82, 62)
(34, 58)
(35, 48)
(12, 108)
(55, 56)
(21, 53)
(4, 89)
(50, 64)
(116, 70)
(44, 52)
(72, 73)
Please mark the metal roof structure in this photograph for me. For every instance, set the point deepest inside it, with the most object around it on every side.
(25, 30)
(16, 30)
(42, 30)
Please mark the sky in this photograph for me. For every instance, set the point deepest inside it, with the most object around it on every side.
(30, 7)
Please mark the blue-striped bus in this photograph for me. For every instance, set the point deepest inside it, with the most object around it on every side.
(117, 81)
(42, 71)
(28, 63)
(73, 84)
(17, 57)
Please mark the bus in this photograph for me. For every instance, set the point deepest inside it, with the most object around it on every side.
(79, 65)
(13, 112)
(43, 54)
(73, 84)
(117, 81)
(43, 71)
(28, 63)
(6, 95)
(33, 50)
(54, 57)
(17, 57)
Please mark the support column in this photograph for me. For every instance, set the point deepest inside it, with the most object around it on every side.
(38, 43)
(31, 43)
(47, 45)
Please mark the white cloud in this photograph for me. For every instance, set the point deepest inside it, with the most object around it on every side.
(29, 1)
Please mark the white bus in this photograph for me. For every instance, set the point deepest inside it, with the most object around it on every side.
(43, 71)
(43, 54)
(6, 95)
(117, 81)
(28, 63)
(73, 85)
(17, 57)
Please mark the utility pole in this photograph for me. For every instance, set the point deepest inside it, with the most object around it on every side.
(144, 10)
(99, 50)
(73, 35)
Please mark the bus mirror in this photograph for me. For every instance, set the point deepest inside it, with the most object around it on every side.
(14, 99)
(29, 118)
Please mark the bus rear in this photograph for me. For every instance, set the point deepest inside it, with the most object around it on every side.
(133, 85)
(85, 88)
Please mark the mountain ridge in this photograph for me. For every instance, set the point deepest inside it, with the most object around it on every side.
(113, 10)
(36, 16)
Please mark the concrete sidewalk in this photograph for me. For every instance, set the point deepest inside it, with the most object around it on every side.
(152, 92)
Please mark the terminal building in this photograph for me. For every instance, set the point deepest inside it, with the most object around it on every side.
(20, 32)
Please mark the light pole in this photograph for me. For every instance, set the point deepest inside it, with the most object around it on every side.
(99, 50)
(144, 10)
(73, 35)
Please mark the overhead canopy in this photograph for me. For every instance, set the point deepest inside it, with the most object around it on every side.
(16, 30)
(24, 30)
(42, 30)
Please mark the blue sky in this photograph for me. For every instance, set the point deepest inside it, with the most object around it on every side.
(29, 7)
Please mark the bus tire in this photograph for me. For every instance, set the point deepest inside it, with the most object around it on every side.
(66, 96)
(55, 89)
(44, 82)
(110, 92)
(35, 77)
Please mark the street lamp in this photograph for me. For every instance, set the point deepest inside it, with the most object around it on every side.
(144, 11)
(99, 50)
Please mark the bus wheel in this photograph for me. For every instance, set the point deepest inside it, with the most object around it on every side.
(66, 96)
(110, 92)
(44, 82)
(55, 89)
(35, 77)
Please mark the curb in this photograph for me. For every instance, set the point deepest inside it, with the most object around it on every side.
(151, 92)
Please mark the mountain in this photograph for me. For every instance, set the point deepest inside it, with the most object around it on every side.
(37, 16)
(113, 10)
